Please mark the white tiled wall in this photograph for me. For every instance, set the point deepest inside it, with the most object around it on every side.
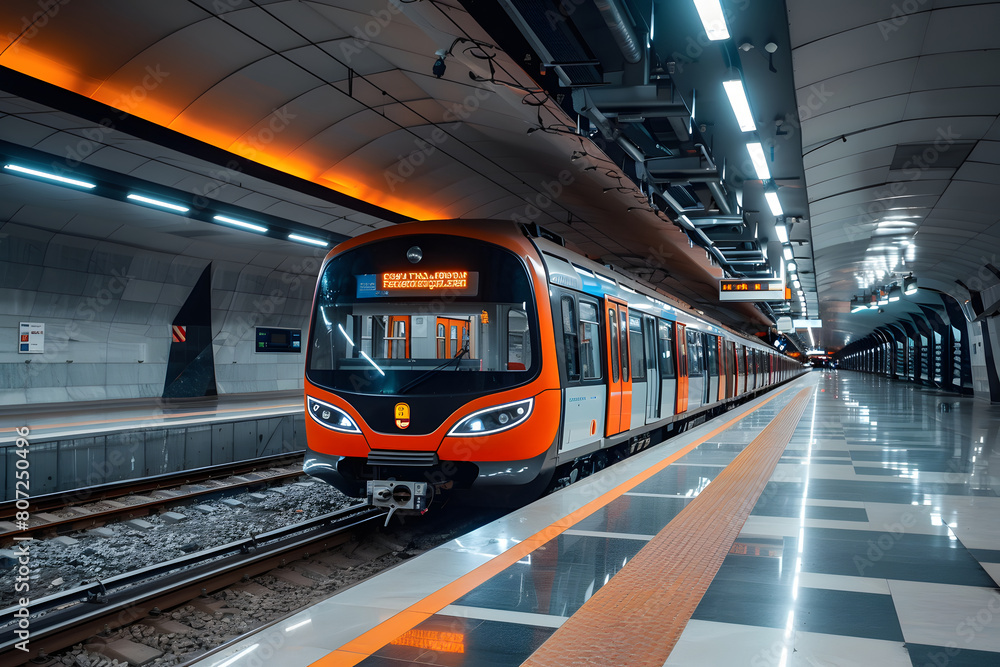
(107, 310)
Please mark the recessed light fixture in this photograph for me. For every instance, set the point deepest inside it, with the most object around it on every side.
(712, 17)
(51, 177)
(741, 106)
(159, 203)
(756, 152)
(240, 223)
(772, 201)
(307, 239)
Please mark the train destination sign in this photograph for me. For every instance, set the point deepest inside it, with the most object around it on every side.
(419, 283)
(751, 290)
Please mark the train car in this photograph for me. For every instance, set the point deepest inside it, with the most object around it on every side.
(480, 358)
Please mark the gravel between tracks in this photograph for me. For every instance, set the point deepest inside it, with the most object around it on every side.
(89, 555)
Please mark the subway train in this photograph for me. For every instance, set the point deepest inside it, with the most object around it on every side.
(484, 359)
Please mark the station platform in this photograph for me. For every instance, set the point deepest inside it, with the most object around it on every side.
(82, 445)
(72, 420)
(842, 519)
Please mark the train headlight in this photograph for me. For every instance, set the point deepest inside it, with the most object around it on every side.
(492, 420)
(330, 417)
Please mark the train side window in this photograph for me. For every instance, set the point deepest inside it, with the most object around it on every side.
(571, 348)
(666, 349)
(590, 341)
(637, 347)
(712, 353)
(694, 354)
(613, 328)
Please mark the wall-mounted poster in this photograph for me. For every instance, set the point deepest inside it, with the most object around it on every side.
(31, 338)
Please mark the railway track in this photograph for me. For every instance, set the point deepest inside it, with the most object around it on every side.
(59, 621)
(190, 481)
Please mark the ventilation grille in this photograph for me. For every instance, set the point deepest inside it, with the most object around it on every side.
(382, 457)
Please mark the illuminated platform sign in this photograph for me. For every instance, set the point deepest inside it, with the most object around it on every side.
(752, 290)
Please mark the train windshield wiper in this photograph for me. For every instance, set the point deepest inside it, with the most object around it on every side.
(420, 378)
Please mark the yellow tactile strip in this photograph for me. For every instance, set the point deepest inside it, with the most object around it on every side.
(636, 619)
(362, 647)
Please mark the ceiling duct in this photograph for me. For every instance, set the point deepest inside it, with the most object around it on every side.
(648, 101)
(621, 28)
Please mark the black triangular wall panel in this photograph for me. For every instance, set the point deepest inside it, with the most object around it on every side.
(191, 365)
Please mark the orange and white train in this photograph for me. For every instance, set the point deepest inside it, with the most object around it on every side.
(478, 357)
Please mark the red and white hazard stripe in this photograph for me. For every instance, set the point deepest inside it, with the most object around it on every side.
(180, 333)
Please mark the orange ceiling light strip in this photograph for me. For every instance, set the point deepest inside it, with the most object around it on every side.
(145, 104)
(362, 647)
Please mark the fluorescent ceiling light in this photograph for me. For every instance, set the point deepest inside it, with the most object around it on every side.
(312, 241)
(51, 177)
(159, 203)
(797, 284)
(240, 223)
(782, 232)
(741, 107)
(787, 252)
(756, 152)
(772, 201)
(710, 12)
(792, 267)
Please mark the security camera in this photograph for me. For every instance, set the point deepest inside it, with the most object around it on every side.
(439, 66)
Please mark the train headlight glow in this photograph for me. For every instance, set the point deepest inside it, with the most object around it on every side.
(330, 417)
(495, 419)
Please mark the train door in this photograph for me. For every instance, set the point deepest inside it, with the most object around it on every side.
(616, 350)
(745, 384)
(713, 362)
(682, 368)
(695, 369)
(452, 336)
(734, 371)
(667, 362)
(398, 337)
(653, 385)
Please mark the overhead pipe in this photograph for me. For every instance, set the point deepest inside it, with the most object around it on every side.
(715, 187)
(615, 18)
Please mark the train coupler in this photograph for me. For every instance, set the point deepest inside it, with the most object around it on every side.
(398, 495)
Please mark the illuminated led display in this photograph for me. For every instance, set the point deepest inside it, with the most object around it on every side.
(751, 290)
(418, 283)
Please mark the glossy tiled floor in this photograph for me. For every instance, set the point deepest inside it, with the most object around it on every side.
(873, 543)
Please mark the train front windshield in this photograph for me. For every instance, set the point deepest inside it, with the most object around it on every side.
(424, 314)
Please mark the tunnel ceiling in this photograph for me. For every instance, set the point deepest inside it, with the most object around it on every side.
(880, 127)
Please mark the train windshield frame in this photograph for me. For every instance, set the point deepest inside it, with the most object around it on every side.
(425, 314)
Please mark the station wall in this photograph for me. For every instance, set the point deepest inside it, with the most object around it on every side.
(108, 307)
